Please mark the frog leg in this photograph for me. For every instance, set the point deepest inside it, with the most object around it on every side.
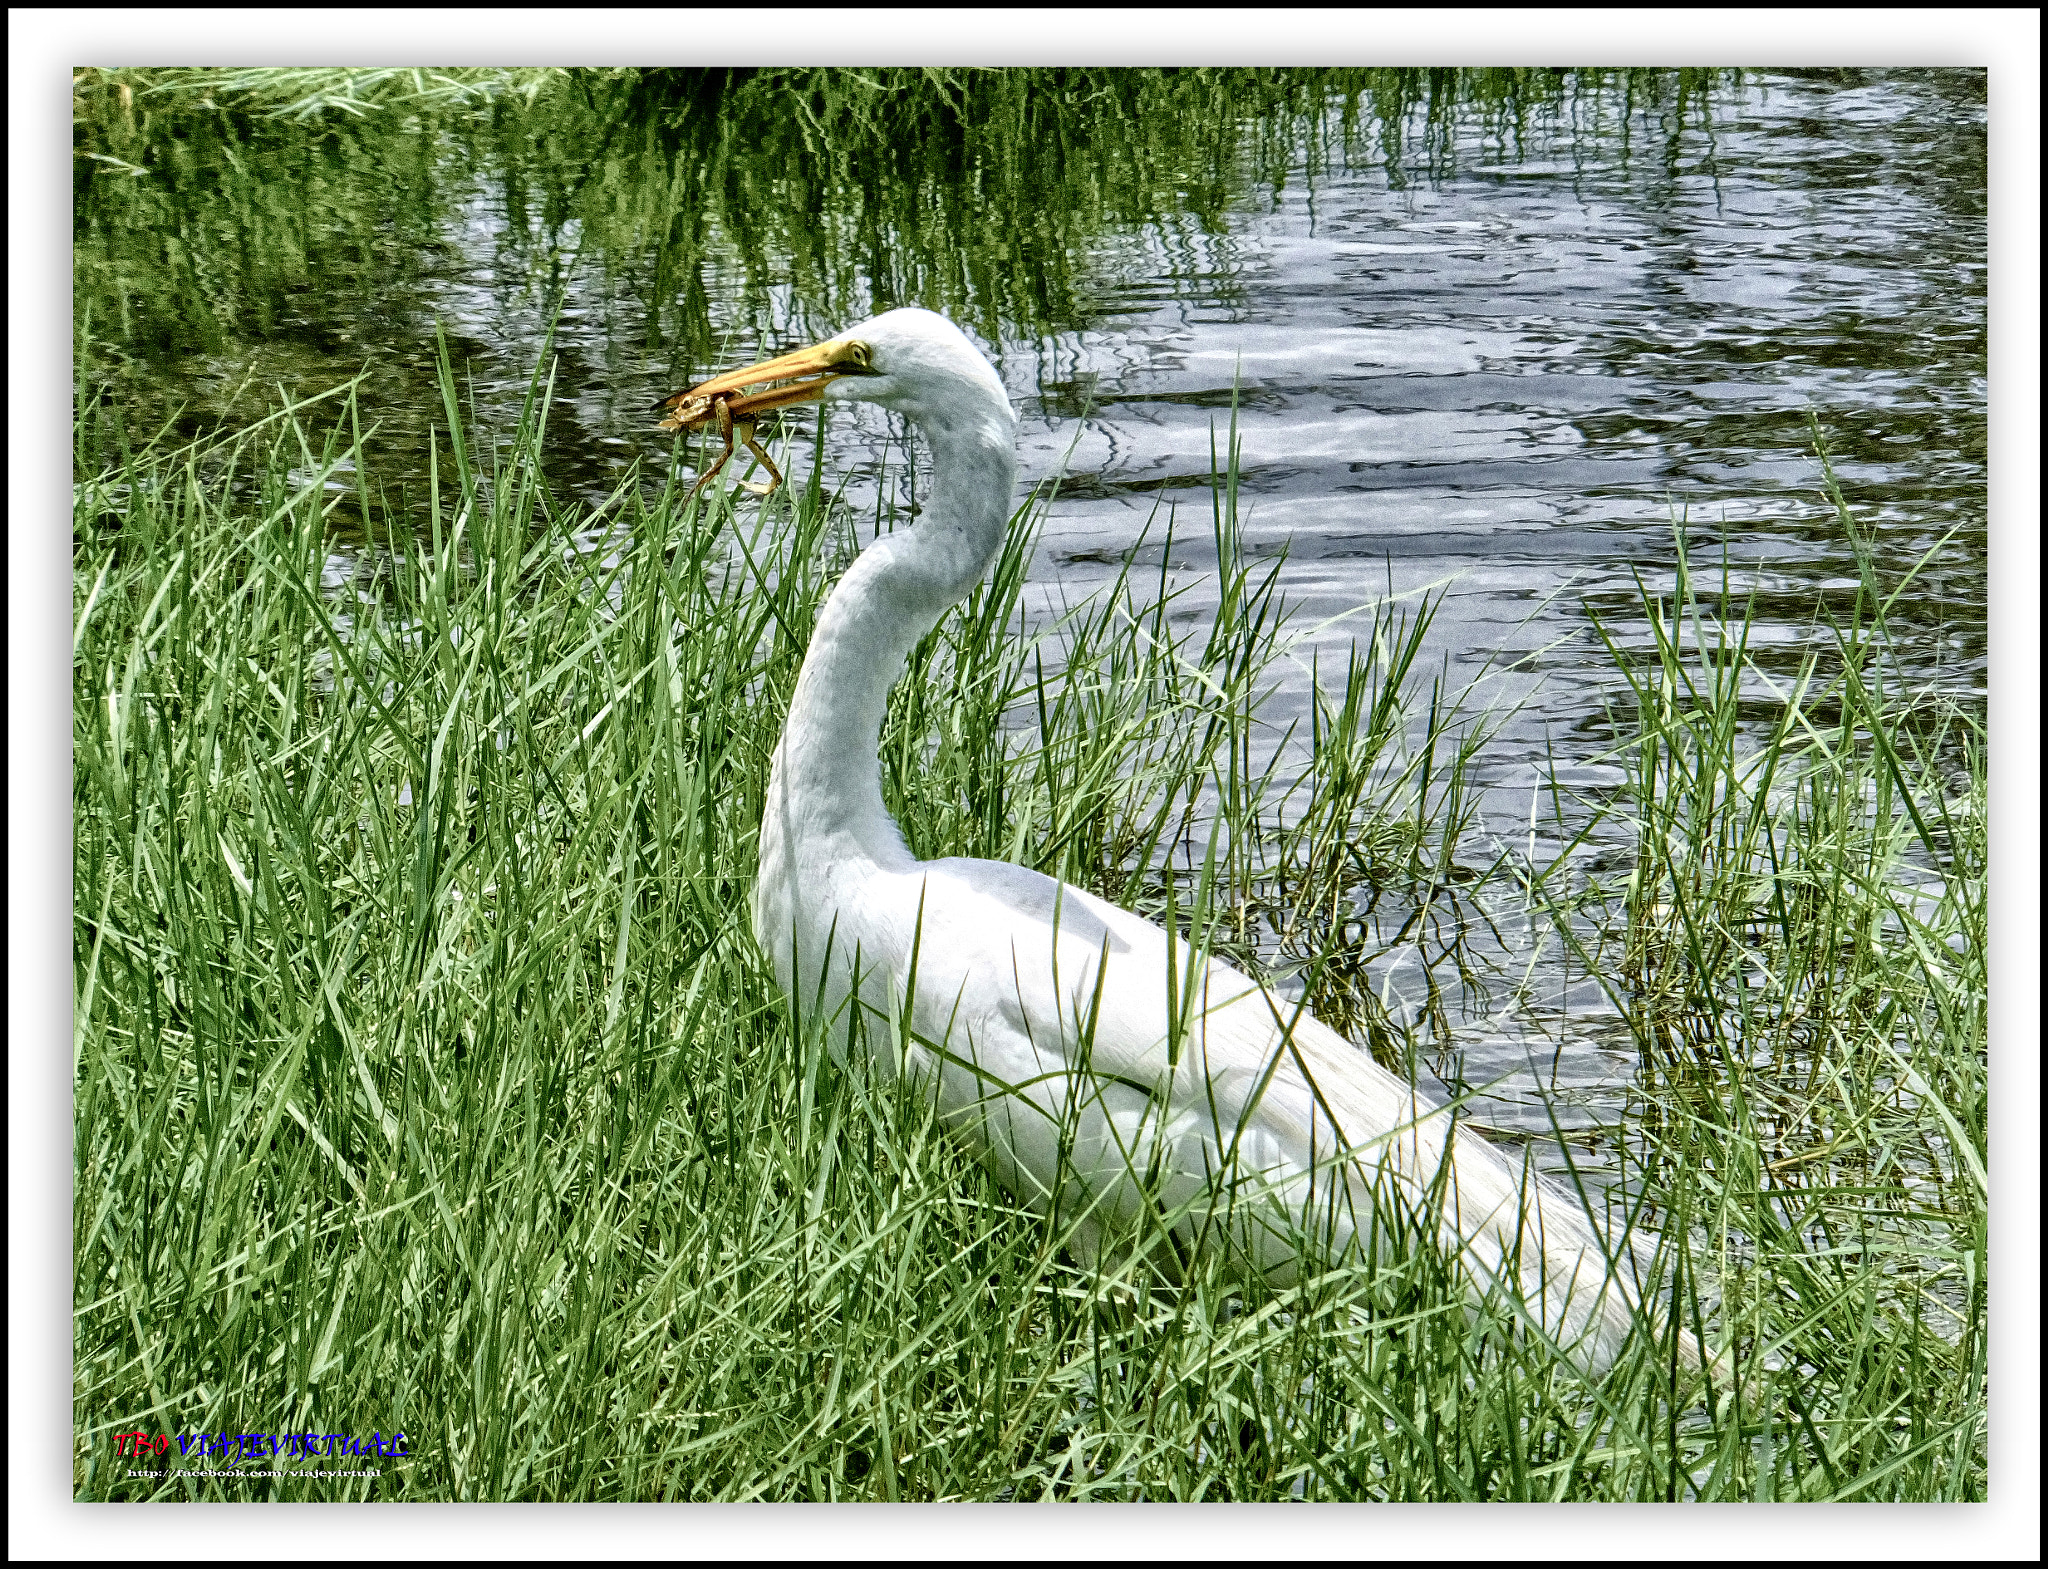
(725, 429)
(745, 428)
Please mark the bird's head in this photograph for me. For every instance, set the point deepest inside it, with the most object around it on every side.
(912, 361)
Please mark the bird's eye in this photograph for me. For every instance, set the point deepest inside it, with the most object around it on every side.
(860, 355)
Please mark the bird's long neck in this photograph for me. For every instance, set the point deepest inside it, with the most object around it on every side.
(825, 796)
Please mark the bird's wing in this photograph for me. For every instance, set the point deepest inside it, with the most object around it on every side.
(1040, 982)
(1031, 955)
(1044, 991)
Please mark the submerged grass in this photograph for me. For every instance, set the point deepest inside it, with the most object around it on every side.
(278, 214)
(428, 1079)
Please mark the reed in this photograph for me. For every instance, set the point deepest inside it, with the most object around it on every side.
(427, 1077)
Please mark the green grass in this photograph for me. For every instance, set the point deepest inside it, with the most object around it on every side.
(428, 1079)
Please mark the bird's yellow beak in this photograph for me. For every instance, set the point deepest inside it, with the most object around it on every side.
(806, 374)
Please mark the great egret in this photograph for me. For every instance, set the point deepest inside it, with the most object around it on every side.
(1152, 1095)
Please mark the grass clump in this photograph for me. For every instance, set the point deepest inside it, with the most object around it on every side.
(428, 1079)
(1800, 947)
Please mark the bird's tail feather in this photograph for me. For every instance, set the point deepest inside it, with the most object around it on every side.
(1504, 1226)
(1584, 1288)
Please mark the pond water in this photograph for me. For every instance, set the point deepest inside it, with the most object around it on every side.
(1491, 333)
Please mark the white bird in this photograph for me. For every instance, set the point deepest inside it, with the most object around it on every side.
(1151, 1097)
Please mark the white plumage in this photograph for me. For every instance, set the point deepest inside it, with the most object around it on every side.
(1159, 1099)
